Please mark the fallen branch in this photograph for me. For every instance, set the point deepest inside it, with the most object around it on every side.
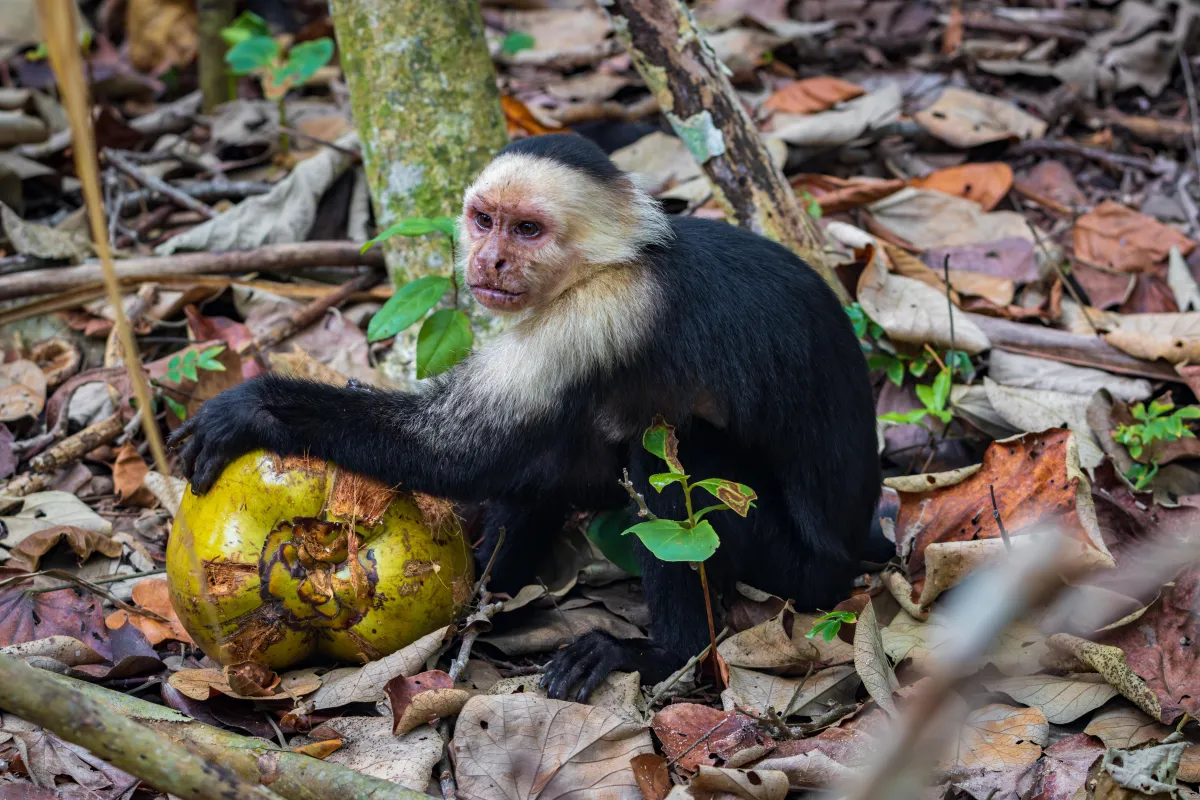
(131, 170)
(310, 313)
(268, 258)
(1114, 161)
(206, 191)
(78, 445)
(44, 699)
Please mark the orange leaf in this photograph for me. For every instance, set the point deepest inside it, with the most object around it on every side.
(984, 184)
(129, 471)
(1112, 235)
(319, 749)
(813, 94)
(152, 595)
(521, 119)
(843, 194)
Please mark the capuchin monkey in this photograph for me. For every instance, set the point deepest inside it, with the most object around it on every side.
(622, 314)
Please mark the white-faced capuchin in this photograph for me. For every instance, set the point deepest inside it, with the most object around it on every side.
(623, 313)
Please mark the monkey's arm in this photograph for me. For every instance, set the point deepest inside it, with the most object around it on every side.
(395, 437)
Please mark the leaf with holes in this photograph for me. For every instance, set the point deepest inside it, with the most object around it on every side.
(445, 339)
(671, 541)
(407, 306)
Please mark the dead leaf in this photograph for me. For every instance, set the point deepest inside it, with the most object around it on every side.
(652, 776)
(999, 738)
(43, 241)
(835, 195)
(204, 684)
(967, 119)
(66, 650)
(249, 679)
(47, 759)
(43, 510)
(129, 473)
(28, 617)
(812, 94)
(997, 291)
(1011, 259)
(1125, 240)
(758, 691)
(1062, 699)
(27, 555)
(982, 183)
(162, 33)
(152, 594)
(928, 219)
(321, 749)
(823, 690)
(367, 684)
(522, 746)
(541, 630)
(369, 747)
(779, 643)
(679, 726)
(1183, 285)
(1064, 770)
(871, 660)
(556, 31)
(1125, 727)
(1172, 337)
(522, 120)
(751, 784)
(1052, 181)
(1021, 371)
(423, 698)
(1112, 664)
(1037, 410)
(839, 125)
(22, 390)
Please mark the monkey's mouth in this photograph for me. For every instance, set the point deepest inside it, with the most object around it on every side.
(491, 297)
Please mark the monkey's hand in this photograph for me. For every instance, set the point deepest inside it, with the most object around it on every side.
(229, 425)
(585, 663)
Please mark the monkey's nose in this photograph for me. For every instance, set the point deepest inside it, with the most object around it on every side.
(500, 265)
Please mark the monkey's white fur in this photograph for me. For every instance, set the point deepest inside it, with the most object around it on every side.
(600, 312)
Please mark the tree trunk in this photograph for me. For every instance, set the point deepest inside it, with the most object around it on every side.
(698, 100)
(214, 75)
(425, 101)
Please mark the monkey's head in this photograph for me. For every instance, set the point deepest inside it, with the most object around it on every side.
(548, 213)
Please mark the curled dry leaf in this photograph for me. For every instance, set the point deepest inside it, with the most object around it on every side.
(1111, 663)
(152, 594)
(423, 698)
(652, 775)
(779, 643)
(204, 684)
(1037, 410)
(522, 746)
(998, 738)
(812, 94)
(58, 359)
(129, 475)
(369, 747)
(367, 684)
(835, 195)
(64, 649)
(1062, 699)
(967, 119)
(1114, 236)
(750, 784)
(22, 390)
(82, 542)
(927, 219)
(1172, 337)
(871, 660)
(984, 183)
(680, 727)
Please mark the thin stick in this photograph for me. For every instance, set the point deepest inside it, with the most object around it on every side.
(131, 576)
(696, 743)
(1062, 275)
(1114, 161)
(95, 589)
(712, 632)
(62, 41)
(637, 496)
(310, 313)
(678, 674)
(131, 170)
(999, 522)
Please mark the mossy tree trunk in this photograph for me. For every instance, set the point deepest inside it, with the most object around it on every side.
(423, 90)
(698, 100)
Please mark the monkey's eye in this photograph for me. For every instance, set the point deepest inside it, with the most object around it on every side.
(528, 229)
(483, 220)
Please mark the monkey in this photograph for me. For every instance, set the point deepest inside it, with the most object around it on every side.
(619, 314)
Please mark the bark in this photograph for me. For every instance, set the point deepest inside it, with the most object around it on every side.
(111, 723)
(43, 699)
(698, 100)
(214, 75)
(423, 90)
(278, 257)
(78, 445)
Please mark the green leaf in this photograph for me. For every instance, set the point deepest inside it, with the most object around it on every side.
(925, 395)
(447, 225)
(414, 226)
(407, 306)
(606, 532)
(179, 409)
(671, 541)
(941, 388)
(913, 417)
(305, 59)
(895, 372)
(738, 496)
(942, 414)
(1188, 412)
(662, 480)
(659, 439)
(246, 25)
(702, 513)
(256, 52)
(1139, 412)
(208, 358)
(444, 340)
(830, 624)
(516, 41)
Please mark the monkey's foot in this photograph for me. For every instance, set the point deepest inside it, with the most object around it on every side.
(585, 663)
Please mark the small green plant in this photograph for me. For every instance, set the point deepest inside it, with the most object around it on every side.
(693, 539)
(516, 41)
(830, 624)
(933, 397)
(254, 52)
(1160, 422)
(445, 337)
(187, 365)
(814, 210)
(882, 355)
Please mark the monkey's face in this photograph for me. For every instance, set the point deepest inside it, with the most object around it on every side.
(513, 260)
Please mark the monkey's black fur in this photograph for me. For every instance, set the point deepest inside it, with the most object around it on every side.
(744, 331)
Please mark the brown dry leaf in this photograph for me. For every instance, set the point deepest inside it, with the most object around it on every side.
(22, 390)
(249, 679)
(652, 776)
(152, 594)
(835, 195)
(1172, 337)
(822, 690)
(369, 747)
(83, 543)
(1062, 699)
(522, 120)
(758, 691)
(321, 749)
(750, 784)
(1120, 238)
(1064, 770)
(1011, 259)
(967, 119)
(839, 125)
(26, 617)
(779, 643)
(998, 291)
(1037, 410)
(982, 183)
(64, 649)
(913, 312)
(928, 219)
(367, 684)
(679, 726)
(871, 660)
(423, 698)
(162, 33)
(521, 746)
(1125, 727)
(1051, 180)
(1113, 665)
(999, 738)
(812, 94)
(1159, 647)
(202, 684)
(43, 241)
(1038, 485)
(129, 473)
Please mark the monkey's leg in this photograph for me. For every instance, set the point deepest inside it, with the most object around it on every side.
(529, 528)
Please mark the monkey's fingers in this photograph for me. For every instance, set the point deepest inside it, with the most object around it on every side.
(582, 666)
(208, 466)
(182, 432)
